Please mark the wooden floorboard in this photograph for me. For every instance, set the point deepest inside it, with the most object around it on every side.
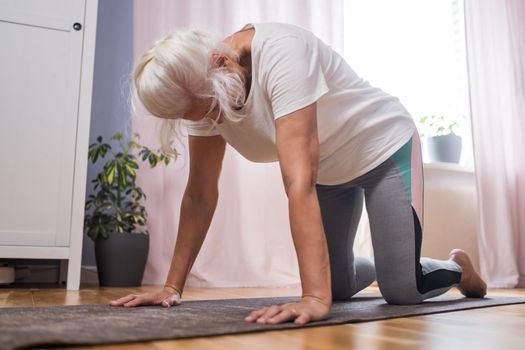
(501, 327)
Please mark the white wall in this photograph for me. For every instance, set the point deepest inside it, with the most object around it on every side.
(450, 218)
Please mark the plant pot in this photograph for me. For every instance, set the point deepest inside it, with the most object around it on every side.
(121, 259)
(446, 148)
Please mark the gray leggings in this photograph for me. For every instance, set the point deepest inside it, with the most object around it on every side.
(393, 192)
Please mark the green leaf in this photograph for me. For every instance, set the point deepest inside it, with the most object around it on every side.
(94, 154)
(117, 136)
(111, 174)
(130, 170)
(145, 154)
(133, 144)
(104, 149)
(132, 164)
(122, 179)
(152, 159)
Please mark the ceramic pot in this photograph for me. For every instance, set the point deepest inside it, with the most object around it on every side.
(121, 259)
(446, 148)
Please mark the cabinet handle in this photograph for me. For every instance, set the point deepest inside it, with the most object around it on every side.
(77, 26)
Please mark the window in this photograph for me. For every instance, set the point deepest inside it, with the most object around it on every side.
(415, 50)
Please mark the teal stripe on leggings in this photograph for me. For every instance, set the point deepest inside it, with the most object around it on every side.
(403, 161)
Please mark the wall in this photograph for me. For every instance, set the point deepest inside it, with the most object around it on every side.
(113, 64)
(451, 211)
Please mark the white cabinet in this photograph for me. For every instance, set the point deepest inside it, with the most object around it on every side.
(46, 73)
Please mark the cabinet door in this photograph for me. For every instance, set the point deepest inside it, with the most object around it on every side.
(40, 62)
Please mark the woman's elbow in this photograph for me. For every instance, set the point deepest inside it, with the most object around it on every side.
(300, 186)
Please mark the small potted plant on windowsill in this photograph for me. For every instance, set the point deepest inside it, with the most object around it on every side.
(443, 142)
(115, 219)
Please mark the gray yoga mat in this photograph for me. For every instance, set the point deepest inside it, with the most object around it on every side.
(28, 327)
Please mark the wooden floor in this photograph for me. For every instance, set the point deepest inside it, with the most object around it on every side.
(500, 327)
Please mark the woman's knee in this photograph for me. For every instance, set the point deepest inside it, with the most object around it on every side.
(363, 277)
(339, 294)
(344, 291)
(401, 295)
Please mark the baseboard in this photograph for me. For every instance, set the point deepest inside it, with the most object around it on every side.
(33, 271)
(46, 271)
(89, 275)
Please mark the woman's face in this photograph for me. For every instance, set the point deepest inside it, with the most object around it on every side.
(200, 108)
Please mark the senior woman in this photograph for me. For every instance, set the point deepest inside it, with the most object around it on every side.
(275, 92)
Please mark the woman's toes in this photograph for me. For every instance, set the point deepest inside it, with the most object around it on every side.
(471, 284)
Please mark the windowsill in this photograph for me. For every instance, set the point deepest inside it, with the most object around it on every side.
(454, 167)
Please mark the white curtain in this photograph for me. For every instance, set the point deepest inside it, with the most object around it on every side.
(496, 58)
(249, 241)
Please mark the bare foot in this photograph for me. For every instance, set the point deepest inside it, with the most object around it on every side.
(471, 284)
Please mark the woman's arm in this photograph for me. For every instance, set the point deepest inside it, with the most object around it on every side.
(197, 208)
(298, 151)
(198, 204)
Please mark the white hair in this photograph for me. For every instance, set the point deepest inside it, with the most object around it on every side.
(178, 69)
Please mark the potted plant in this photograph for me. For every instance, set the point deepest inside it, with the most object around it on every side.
(443, 143)
(115, 219)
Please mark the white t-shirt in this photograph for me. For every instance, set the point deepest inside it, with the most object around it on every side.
(359, 126)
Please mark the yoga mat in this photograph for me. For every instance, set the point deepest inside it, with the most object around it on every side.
(95, 324)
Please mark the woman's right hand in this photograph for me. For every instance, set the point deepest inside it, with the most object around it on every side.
(166, 297)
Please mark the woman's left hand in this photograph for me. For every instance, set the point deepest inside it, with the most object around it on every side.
(308, 309)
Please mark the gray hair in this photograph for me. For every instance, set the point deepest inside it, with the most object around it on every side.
(178, 69)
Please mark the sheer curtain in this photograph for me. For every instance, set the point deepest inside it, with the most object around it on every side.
(249, 241)
(496, 50)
